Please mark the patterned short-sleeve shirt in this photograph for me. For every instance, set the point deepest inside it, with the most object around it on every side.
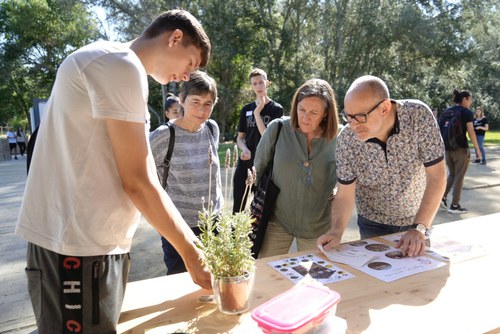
(390, 180)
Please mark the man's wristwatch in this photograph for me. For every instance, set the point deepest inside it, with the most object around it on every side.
(422, 229)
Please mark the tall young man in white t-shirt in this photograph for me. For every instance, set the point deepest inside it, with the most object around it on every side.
(92, 175)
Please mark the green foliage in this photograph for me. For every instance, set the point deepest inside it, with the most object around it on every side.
(222, 151)
(492, 137)
(482, 72)
(422, 49)
(228, 28)
(225, 242)
(36, 35)
(225, 237)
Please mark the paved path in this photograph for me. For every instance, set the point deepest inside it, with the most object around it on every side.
(482, 190)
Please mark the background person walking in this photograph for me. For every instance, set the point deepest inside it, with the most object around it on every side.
(457, 159)
(11, 136)
(21, 140)
(480, 128)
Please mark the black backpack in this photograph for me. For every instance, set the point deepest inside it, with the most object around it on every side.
(452, 128)
(30, 148)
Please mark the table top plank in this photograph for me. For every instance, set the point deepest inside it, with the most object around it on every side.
(461, 297)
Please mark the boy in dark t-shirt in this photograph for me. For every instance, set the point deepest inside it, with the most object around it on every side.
(254, 118)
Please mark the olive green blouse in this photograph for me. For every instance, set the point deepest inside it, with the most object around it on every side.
(305, 180)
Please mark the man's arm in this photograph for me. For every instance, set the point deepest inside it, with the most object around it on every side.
(341, 212)
(245, 152)
(140, 182)
(473, 138)
(413, 242)
(256, 113)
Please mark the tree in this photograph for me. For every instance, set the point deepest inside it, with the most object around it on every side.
(482, 73)
(231, 32)
(422, 48)
(228, 25)
(36, 35)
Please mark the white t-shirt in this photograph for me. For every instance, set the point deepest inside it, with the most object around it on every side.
(74, 203)
(11, 136)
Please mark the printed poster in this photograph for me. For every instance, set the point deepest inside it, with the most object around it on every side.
(387, 263)
(446, 249)
(310, 267)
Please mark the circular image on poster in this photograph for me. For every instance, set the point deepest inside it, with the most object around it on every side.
(379, 266)
(395, 255)
(377, 247)
(358, 243)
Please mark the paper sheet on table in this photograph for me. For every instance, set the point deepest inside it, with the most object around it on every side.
(310, 267)
(455, 251)
(348, 254)
(447, 249)
(384, 262)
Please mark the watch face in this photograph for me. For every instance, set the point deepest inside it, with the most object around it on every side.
(421, 228)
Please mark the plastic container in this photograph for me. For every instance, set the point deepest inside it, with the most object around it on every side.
(297, 310)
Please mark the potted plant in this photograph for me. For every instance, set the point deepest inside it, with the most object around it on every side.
(225, 242)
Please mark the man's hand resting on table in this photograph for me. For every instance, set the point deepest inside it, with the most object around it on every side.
(412, 243)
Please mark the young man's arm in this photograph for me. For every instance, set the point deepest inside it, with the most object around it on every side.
(412, 243)
(341, 212)
(140, 182)
(473, 138)
(261, 103)
(242, 145)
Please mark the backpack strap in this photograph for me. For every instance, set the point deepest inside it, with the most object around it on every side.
(271, 163)
(211, 128)
(168, 156)
(30, 148)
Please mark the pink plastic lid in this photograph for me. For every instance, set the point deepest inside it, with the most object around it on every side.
(295, 308)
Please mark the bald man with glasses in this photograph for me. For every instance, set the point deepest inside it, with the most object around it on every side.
(390, 163)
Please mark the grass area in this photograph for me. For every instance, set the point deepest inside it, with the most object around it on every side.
(222, 152)
(492, 138)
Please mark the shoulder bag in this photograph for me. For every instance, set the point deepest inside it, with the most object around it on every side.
(264, 199)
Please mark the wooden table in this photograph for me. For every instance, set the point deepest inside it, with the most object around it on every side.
(461, 297)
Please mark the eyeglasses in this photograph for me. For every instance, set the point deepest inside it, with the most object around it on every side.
(360, 118)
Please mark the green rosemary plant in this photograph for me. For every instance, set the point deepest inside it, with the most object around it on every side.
(224, 237)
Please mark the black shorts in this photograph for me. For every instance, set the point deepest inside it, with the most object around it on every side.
(78, 294)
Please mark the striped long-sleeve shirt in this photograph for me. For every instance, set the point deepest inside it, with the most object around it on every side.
(188, 177)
